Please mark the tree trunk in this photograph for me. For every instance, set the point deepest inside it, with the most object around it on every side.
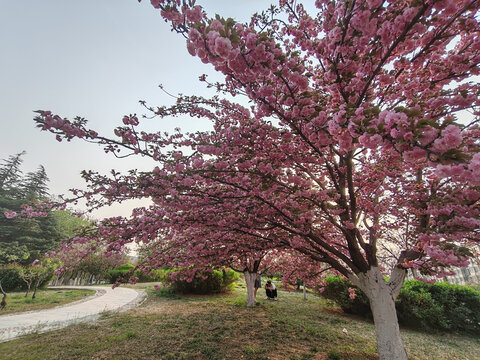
(37, 283)
(250, 282)
(382, 303)
(28, 282)
(3, 303)
(304, 291)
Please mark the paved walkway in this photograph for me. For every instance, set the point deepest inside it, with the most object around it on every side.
(106, 299)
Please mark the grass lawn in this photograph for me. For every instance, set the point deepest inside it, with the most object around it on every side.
(44, 299)
(221, 327)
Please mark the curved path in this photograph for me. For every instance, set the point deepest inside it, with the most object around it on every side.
(105, 299)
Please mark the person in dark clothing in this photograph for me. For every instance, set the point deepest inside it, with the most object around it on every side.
(271, 290)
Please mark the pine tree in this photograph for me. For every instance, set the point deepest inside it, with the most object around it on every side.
(11, 175)
(24, 239)
(34, 185)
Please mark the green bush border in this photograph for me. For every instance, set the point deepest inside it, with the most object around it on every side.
(434, 307)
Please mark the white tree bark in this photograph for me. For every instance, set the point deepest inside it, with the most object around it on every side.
(250, 282)
(382, 303)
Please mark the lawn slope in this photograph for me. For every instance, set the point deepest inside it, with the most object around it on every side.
(221, 327)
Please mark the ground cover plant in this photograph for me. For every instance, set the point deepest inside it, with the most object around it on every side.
(221, 327)
(44, 299)
(361, 138)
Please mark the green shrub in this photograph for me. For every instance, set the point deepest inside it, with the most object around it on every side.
(440, 306)
(11, 280)
(154, 275)
(48, 275)
(166, 292)
(119, 273)
(434, 307)
(336, 289)
(208, 282)
(125, 267)
(417, 308)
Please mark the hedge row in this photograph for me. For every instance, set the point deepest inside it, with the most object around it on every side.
(154, 275)
(209, 282)
(125, 271)
(119, 273)
(435, 307)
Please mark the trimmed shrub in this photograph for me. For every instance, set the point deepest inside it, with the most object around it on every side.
(434, 307)
(336, 289)
(208, 282)
(11, 280)
(119, 273)
(417, 308)
(440, 306)
(154, 275)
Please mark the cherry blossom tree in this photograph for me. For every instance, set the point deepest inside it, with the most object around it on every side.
(299, 269)
(83, 262)
(361, 138)
(194, 234)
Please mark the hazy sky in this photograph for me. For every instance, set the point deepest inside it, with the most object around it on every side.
(96, 59)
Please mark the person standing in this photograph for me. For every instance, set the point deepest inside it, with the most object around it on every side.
(258, 284)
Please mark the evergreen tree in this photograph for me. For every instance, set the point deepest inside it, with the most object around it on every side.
(34, 185)
(11, 175)
(24, 239)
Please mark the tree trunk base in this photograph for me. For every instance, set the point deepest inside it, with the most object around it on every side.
(250, 282)
(381, 295)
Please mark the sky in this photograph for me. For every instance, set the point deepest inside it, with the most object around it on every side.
(95, 59)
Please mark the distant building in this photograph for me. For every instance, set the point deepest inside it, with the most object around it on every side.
(133, 259)
(463, 276)
(467, 275)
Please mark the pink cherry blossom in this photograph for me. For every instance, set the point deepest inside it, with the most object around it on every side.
(10, 214)
(222, 46)
(352, 295)
(450, 139)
